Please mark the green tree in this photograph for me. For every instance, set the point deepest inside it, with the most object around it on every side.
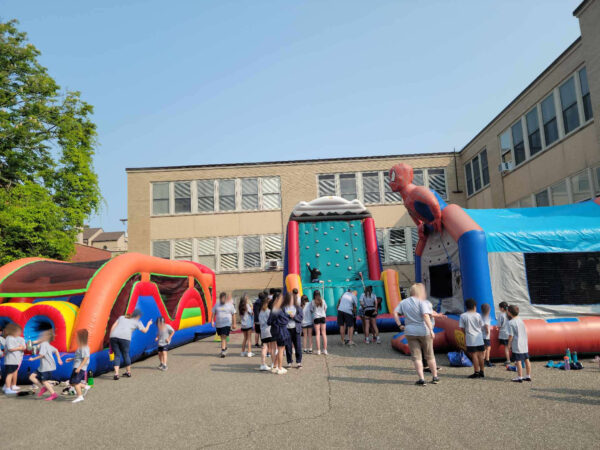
(48, 186)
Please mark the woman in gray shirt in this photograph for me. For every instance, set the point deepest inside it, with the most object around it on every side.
(120, 339)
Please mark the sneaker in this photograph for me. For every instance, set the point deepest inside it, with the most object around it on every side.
(351, 343)
(250, 355)
(222, 353)
(9, 391)
(527, 378)
(435, 380)
(116, 377)
(282, 371)
(367, 341)
(474, 375)
(489, 364)
(304, 350)
(264, 368)
(52, 397)
(518, 380)
(165, 368)
(421, 383)
(15, 388)
(318, 352)
(127, 374)
(356, 333)
(78, 399)
(160, 366)
(481, 374)
(274, 370)
(42, 391)
(310, 351)
(289, 365)
(378, 341)
(346, 341)
(244, 354)
(299, 366)
(268, 355)
(325, 352)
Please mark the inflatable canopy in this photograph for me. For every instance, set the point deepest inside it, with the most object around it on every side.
(41, 294)
(337, 237)
(545, 260)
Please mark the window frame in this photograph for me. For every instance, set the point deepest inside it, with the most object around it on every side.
(168, 198)
(477, 158)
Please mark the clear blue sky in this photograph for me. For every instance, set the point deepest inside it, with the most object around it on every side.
(217, 81)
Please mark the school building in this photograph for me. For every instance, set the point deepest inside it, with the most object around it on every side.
(542, 149)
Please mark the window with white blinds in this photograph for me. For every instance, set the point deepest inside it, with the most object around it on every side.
(228, 254)
(226, 195)
(207, 254)
(183, 197)
(251, 251)
(271, 193)
(397, 245)
(326, 185)
(437, 181)
(160, 198)
(273, 247)
(371, 189)
(390, 196)
(206, 195)
(183, 250)
(161, 249)
(249, 194)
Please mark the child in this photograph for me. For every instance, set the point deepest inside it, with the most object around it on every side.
(368, 304)
(164, 335)
(268, 344)
(517, 340)
(224, 320)
(485, 315)
(471, 324)
(247, 323)
(81, 360)
(15, 348)
(279, 321)
(256, 310)
(319, 312)
(307, 325)
(41, 377)
(503, 333)
(294, 328)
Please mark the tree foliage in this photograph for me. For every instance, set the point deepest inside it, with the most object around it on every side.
(48, 186)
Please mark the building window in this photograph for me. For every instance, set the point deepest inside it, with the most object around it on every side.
(348, 186)
(518, 142)
(418, 177)
(183, 197)
(580, 187)
(437, 181)
(397, 245)
(542, 199)
(414, 234)
(160, 198)
(476, 173)
(371, 192)
(533, 132)
(326, 185)
(249, 194)
(381, 244)
(506, 147)
(226, 195)
(568, 100)
(393, 245)
(469, 177)
(390, 196)
(559, 194)
(271, 193)
(206, 252)
(161, 249)
(251, 252)
(228, 254)
(485, 171)
(206, 195)
(549, 120)
(273, 247)
(585, 95)
(183, 250)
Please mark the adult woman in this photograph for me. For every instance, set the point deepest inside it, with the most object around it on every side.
(319, 312)
(368, 303)
(120, 339)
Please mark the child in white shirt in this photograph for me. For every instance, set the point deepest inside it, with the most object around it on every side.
(472, 325)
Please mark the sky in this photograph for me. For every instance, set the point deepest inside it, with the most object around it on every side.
(219, 81)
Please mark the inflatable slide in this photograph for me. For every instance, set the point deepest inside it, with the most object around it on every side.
(41, 294)
(337, 237)
(545, 260)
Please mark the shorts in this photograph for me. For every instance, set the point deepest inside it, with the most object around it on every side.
(77, 378)
(420, 346)
(306, 327)
(266, 340)
(486, 343)
(319, 320)
(475, 348)
(246, 329)
(503, 341)
(257, 328)
(223, 331)
(163, 348)
(283, 341)
(10, 368)
(519, 357)
(371, 313)
(43, 376)
(345, 319)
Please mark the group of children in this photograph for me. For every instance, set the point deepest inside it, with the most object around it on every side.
(284, 323)
(512, 335)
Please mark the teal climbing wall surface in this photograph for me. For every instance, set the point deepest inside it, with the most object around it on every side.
(337, 249)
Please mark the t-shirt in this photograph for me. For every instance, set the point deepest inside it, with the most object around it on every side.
(368, 303)
(473, 326)
(290, 311)
(14, 358)
(413, 309)
(47, 363)
(223, 314)
(265, 328)
(125, 327)
(503, 324)
(487, 320)
(307, 315)
(318, 312)
(80, 354)
(347, 303)
(247, 319)
(163, 335)
(516, 329)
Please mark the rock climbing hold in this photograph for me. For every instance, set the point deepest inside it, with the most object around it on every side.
(328, 263)
(359, 259)
(349, 267)
(355, 249)
(355, 234)
(324, 232)
(337, 251)
(346, 257)
(316, 241)
(327, 249)
(317, 255)
(337, 265)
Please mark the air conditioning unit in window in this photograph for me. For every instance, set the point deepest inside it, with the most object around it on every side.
(273, 264)
(505, 167)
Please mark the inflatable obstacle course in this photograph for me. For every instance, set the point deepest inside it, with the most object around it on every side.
(40, 294)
